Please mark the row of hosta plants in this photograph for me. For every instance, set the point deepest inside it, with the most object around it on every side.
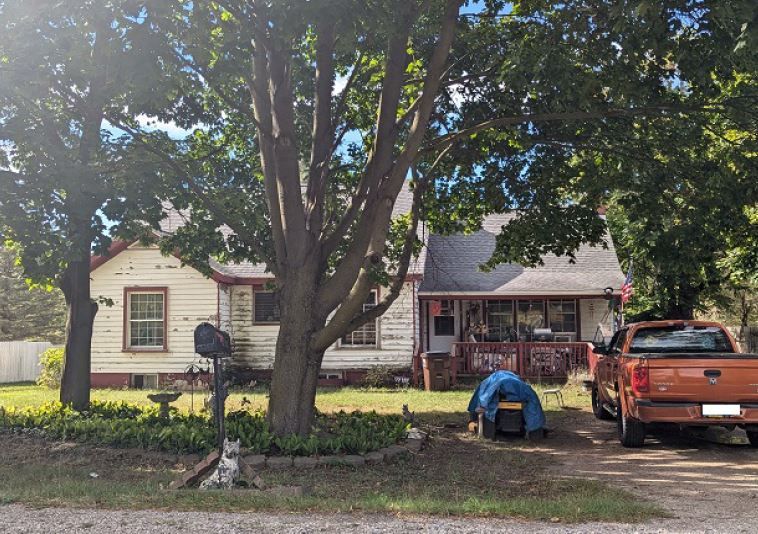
(125, 425)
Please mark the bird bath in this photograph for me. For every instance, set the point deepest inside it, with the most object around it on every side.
(163, 400)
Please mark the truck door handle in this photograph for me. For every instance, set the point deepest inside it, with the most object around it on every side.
(712, 373)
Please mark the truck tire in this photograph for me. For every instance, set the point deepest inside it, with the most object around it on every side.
(752, 437)
(631, 431)
(597, 406)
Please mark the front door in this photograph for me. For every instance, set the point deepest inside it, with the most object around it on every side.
(443, 324)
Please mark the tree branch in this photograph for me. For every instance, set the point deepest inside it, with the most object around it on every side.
(321, 139)
(378, 165)
(263, 114)
(342, 321)
(286, 169)
(371, 231)
(549, 117)
(216, 209)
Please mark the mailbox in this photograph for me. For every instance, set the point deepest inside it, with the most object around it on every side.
(210, 341)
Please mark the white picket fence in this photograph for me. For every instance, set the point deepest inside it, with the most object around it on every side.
(19, 360)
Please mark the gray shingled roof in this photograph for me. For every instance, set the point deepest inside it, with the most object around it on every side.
(453, 261)
(450, 264)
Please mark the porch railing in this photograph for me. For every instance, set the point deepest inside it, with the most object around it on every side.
(533, 361)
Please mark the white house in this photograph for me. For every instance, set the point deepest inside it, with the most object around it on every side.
(146, 337)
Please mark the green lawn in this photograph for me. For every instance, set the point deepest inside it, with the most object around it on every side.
(443, 404)
(456, 474)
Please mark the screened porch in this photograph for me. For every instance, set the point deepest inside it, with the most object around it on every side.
(544, 338)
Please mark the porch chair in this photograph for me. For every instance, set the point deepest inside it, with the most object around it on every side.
(555, 392)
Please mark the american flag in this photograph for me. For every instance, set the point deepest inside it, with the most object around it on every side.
(627, 289)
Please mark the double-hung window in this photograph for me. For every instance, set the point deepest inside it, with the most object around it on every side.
(145, 319)
(367, 336)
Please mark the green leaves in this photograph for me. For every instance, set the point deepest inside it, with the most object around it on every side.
(124, 425)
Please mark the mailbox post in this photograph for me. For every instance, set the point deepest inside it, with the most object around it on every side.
(210, 342)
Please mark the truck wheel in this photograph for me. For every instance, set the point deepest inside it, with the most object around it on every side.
(597, 406)
(752, 437)
(631, 431)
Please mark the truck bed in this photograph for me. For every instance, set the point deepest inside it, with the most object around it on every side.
(702, 377)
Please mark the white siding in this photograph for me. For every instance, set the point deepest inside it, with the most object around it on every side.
(256, 344)
(594, 314)
(225, 307)
(192, 298)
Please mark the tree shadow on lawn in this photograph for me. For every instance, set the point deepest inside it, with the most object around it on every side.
(456, 474)
(682, 471)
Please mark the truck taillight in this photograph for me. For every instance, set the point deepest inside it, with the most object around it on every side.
(640, 378)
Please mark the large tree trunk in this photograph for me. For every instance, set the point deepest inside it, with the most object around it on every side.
(75, 383)
(297, 365)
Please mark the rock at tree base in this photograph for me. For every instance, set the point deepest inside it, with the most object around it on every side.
(250, 475)
(279, 462)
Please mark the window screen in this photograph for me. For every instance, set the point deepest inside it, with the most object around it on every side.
(266, 307)
(499, 320)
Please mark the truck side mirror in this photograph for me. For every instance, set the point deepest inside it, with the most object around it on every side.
(600, 349)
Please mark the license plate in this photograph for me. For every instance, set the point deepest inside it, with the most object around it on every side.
(720, 410)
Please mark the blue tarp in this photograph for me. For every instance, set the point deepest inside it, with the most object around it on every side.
(514, 389)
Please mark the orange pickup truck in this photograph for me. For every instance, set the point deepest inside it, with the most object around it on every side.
(688, 373)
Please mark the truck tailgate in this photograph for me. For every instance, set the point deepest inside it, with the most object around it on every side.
(721, 378)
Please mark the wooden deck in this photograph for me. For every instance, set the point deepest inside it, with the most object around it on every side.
(532, 361)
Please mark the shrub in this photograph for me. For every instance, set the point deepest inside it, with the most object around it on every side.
(124, 425)
(382, 376)
(51, 362)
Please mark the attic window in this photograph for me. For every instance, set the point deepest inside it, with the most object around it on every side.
(266, 307)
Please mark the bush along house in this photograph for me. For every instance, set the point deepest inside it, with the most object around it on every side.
(504, 318)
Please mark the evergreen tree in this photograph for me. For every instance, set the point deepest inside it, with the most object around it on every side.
(28, 313)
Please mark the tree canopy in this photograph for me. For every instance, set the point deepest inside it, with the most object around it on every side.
(68, 70)
(308, 119)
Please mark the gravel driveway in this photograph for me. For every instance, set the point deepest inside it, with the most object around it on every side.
(20, 520)
(707, 484)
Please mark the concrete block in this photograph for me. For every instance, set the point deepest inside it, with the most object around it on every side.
(278, 462)
(305, 462)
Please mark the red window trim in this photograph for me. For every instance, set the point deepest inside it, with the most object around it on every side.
(124, 340)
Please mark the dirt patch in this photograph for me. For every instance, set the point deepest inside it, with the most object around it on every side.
(697, 479)
(25, 449)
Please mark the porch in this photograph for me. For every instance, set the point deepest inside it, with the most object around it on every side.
(534, 361)
(540, 338)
